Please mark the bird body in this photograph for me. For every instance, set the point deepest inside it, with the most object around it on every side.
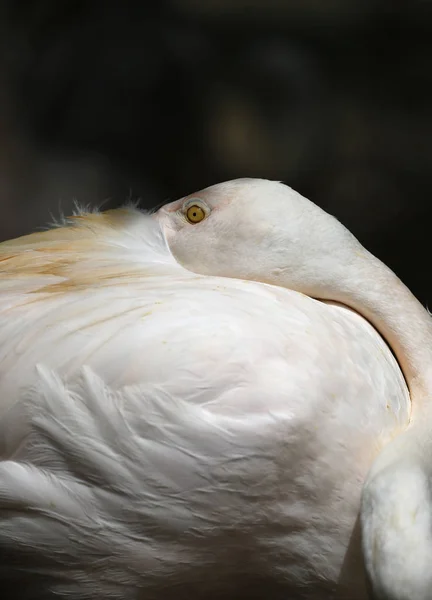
(211, 401)
(166, 433)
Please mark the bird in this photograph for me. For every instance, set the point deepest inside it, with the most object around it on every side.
(226, 397)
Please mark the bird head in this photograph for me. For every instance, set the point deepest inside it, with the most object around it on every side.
(260, 230)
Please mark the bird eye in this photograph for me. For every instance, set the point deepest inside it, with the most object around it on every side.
(195, 214)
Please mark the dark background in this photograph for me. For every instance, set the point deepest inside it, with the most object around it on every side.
(103, 101)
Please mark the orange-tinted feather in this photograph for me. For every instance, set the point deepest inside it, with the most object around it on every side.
(62, 252)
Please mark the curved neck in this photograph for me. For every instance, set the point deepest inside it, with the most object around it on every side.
(381, 297)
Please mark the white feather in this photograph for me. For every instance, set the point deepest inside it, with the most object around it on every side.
(167, 434)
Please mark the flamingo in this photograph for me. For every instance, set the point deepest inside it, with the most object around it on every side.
(223, 398)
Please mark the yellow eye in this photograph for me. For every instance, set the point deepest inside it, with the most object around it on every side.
(195, 214)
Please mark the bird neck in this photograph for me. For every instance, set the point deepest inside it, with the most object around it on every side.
(381, 297)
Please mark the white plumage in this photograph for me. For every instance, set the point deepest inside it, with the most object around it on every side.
(194, 431)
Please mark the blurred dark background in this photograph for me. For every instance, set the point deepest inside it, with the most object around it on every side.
(104, 101)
